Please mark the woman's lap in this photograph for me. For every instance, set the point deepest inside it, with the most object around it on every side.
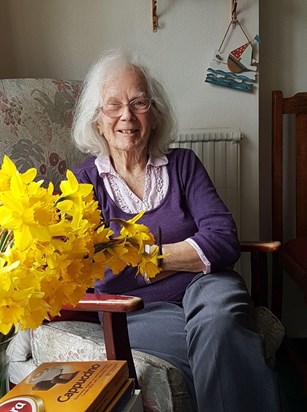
(210, 338)
(158, 329)
(221, 335)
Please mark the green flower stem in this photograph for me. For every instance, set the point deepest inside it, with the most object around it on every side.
(8, 336)
(102, 246)
(6, 238)
(4, 361)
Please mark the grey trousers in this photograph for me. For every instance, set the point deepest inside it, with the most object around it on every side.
(210, 336)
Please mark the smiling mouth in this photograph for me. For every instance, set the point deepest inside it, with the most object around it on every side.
(128, 131)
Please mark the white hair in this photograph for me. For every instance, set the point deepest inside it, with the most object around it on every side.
(85, 132)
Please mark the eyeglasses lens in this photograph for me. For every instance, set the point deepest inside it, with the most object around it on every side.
(141, 105)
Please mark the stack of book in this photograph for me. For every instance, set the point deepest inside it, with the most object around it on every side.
(72, 386)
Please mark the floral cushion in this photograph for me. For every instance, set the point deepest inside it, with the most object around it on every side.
(35, 126)
(272, 332)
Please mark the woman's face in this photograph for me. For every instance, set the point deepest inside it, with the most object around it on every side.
(129, 132)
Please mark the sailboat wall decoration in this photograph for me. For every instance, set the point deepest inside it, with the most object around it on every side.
(235, 69)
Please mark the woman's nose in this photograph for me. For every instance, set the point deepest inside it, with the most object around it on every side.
(127, 112)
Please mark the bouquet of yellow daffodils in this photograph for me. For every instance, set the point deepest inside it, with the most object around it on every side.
(53, 247)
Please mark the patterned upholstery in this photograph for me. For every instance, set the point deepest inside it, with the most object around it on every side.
(35, 123)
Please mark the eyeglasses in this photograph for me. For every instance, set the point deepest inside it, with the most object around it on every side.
(116, 109)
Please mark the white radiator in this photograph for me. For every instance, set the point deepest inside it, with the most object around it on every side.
(219, 151)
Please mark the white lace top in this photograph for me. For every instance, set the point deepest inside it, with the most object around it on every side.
(156, 184)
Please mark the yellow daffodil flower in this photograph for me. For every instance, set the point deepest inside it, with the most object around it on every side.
(53, 247)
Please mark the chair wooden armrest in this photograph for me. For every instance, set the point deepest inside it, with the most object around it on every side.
(259, 268)
(260, 246)
(115, 330)
(107, 303)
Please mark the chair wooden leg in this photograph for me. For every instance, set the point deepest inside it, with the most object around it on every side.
(277, 287)
(117, 340)
(298, 360)
(259, 272)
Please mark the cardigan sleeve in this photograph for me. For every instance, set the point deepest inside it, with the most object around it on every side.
(217, 233)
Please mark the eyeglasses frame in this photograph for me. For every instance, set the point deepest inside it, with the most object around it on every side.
(128, 104)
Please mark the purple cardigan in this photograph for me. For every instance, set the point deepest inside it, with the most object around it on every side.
(191, 208)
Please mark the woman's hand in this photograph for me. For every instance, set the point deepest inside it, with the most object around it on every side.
(180, 257)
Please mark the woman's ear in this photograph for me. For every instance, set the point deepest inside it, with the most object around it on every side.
(99, 129)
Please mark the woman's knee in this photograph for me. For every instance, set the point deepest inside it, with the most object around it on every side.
(219, 303)
(217, 291)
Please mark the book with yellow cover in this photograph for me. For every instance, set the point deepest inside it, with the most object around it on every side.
(68, 387)
(122, 397)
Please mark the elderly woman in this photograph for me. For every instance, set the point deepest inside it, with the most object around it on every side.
(198, 314)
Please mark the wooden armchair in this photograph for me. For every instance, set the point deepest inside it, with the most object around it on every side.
(35, 122)
(78, 336)
(115, 307)
(292, 257)
(115, 331)
(289, 196)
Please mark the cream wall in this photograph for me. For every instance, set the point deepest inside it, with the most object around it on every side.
(61, 38)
